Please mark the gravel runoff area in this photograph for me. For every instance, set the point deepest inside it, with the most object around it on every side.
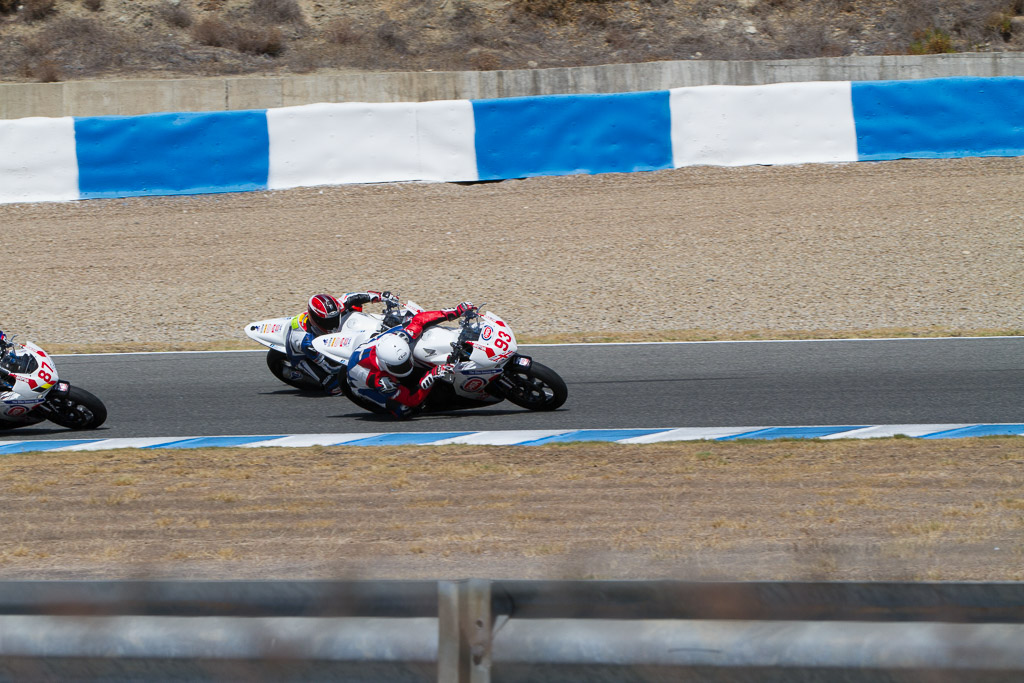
(915, 246)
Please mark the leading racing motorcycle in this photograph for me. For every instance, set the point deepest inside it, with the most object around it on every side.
(31, 391)
(488, 366)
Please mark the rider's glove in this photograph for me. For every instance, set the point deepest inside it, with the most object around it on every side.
(464, 308)
(437, 372)
(386, 385)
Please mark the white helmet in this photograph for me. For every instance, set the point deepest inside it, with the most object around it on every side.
(393, 355)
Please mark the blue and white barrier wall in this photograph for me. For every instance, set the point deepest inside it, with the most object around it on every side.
(46, 159)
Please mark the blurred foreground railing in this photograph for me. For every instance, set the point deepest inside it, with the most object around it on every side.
(480, 630)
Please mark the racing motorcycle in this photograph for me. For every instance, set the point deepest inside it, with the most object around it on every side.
(488, 367)
(358, 327)
(30, 392)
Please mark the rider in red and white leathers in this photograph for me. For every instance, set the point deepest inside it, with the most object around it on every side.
(324, 314)
(375, 369)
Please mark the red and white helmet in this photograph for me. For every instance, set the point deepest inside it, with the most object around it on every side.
(394, 355)
(324, 313)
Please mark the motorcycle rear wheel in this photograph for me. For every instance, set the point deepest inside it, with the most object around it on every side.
(276, 362)
(537, 388)
(79, 409)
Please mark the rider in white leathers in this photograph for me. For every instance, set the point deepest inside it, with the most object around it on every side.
(375, 370)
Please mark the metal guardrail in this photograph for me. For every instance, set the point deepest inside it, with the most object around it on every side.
(481, 630)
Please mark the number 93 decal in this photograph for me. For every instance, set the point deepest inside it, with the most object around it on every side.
(502, 341)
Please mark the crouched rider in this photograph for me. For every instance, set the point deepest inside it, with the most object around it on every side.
(376, 368)
(325, 314)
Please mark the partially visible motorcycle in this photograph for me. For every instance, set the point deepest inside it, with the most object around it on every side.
(358, 327)
(31, 391)
(488, 367)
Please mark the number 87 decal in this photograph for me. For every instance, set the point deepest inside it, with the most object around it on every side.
(503, 339)
(43, 374)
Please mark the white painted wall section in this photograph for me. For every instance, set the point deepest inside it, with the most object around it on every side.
(38, 162)
(338, 143)
(786, 123)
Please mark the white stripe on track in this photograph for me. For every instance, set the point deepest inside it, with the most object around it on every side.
(650, 343)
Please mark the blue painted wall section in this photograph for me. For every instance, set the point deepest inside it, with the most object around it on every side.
(522, 137)
(939, 118)
(166, 154)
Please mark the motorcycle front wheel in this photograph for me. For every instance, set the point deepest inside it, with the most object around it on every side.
(78, 409)
(536, 388)
(364, 403)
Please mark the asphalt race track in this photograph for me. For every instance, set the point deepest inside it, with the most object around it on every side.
(855, 382)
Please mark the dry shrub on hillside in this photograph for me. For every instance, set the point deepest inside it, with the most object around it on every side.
(253, 40)
(485, 60)
(555, 10)
(937, 26)
(83, 45)
(43, 71)
(277, 11)
(178, 15)
(800, 38)
(343, 31)
(213, 32)
(8, 6)
(259, 40)
(37, 10)
(390, 35)
(463, 17)
(93, 5)
(931, 42)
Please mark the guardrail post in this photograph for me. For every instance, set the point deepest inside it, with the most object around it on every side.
(464, 631)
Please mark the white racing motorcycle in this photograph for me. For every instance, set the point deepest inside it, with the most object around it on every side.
(31, 392)
(488, 367)
(274, 333)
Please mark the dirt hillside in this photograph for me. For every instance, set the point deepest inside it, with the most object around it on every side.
(51, 40)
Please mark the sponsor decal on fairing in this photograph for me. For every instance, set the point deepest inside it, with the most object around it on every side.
(21, 401)
(484, 371)
(474, 384)
(486, 333)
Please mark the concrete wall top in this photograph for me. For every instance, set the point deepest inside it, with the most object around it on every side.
(130, 97)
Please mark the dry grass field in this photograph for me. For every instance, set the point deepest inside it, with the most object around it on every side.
(895, 509)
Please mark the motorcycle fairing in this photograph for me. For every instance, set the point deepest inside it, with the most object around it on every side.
(357, 329)
(272, 332)
(434, 345)
(472, 382)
